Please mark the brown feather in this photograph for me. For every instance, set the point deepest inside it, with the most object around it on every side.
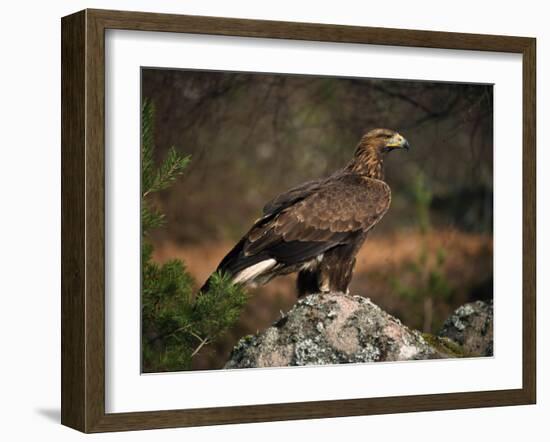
(329, 217)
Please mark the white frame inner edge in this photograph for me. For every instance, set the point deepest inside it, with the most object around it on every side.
(128, 390)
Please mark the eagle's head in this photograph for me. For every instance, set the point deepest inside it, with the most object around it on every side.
(382, 141)
(368, 158)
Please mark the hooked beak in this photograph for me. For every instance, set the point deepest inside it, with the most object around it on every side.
(398, 142)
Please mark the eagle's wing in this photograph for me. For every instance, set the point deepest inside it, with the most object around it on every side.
(291, 196)
(305, 222)
(335, 213)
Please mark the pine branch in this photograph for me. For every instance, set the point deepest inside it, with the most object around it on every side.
(147, 145)
(150, 218)
(171, 168)
(219, 308)
(172, 321)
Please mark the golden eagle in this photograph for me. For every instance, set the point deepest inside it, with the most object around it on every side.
(317, 228)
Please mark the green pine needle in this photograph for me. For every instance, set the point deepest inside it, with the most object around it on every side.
(175, 326)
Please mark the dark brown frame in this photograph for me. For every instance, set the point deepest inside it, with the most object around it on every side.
(83, 215)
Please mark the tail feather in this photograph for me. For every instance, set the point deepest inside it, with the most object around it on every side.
(236, 262)
(243, 268)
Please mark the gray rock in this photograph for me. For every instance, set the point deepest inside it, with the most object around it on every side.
(333, 328)
(471, 326)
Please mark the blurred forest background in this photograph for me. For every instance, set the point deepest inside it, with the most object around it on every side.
(253, 136)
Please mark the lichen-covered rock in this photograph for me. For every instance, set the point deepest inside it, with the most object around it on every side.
(332, 328)
(471, 326)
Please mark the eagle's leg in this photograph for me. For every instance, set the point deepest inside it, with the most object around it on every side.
(336, 276)
(308, 282)
(332, 274)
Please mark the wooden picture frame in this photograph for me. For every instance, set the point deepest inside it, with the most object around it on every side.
(83, 216)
